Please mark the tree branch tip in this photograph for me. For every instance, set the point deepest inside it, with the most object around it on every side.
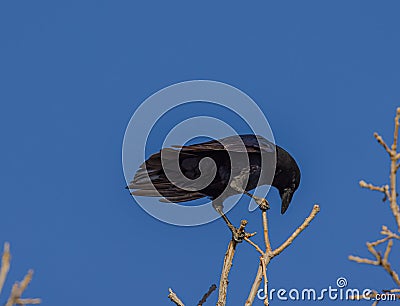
(28, 301)
(174, 298)
(212, 288)
(363, 184)
(249, 235)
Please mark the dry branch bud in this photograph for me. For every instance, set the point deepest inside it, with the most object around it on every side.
(383, 143)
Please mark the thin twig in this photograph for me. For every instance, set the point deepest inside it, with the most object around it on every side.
(174, 298)
(380, 241)
(372, 250)
(5, 264)
(382, 143)
(393, 274)
(28, 301)
(254, 245)
(297, 232)
(387, 251)
(363, 260)
(25, 282)
(207, 294)
(266, 234)
(370, 186)
(379, 260)
(13, 296)
(18, 289)
(389, 233)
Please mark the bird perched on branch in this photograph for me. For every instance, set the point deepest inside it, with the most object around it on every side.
(218, 169)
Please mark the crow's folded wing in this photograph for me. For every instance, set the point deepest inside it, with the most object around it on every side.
(237, 143)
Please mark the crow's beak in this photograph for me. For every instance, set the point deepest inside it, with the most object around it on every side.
(286, 197)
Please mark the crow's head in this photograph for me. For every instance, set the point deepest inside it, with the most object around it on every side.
(287, 177)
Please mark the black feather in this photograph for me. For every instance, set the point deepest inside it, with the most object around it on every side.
(150, 179)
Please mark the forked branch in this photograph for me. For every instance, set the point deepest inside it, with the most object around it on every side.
(269, 253)
(19, 287)
(390, 193)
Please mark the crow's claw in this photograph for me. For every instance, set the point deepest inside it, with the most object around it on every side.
(262, 203)
(239, 235)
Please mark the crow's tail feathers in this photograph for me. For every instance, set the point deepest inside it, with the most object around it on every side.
(151, 181)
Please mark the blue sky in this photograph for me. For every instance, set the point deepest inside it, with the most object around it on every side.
(326, 74)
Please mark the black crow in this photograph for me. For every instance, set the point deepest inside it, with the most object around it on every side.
(232, 165)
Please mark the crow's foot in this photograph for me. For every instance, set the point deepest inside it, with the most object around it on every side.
(262, 203)
(238, 234)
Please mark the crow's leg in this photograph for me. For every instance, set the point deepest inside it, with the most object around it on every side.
(237, 235)
(238, 183)
(262, 202)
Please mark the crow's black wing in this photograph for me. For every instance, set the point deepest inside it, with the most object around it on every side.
(150, 179)
(237, 143)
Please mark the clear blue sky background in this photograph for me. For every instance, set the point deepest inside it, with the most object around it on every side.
(326, 74)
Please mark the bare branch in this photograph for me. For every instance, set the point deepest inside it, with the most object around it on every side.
(207, 294)
(390, 193)
(266, 234)
(18, 289)
(396, 130)
(254, 245)
(13, 296)
(301, 228)
(392, 273)
(264, 263)
(174, 298)
(383, 143)
(387, 251)
(28, 301)
(369, 186)
(223, 283)
(255, 286)
(5, 264)
(269, 254)
(25, 282)
(389, 233)
(380, 241)
(363, 260)
(372, 250)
